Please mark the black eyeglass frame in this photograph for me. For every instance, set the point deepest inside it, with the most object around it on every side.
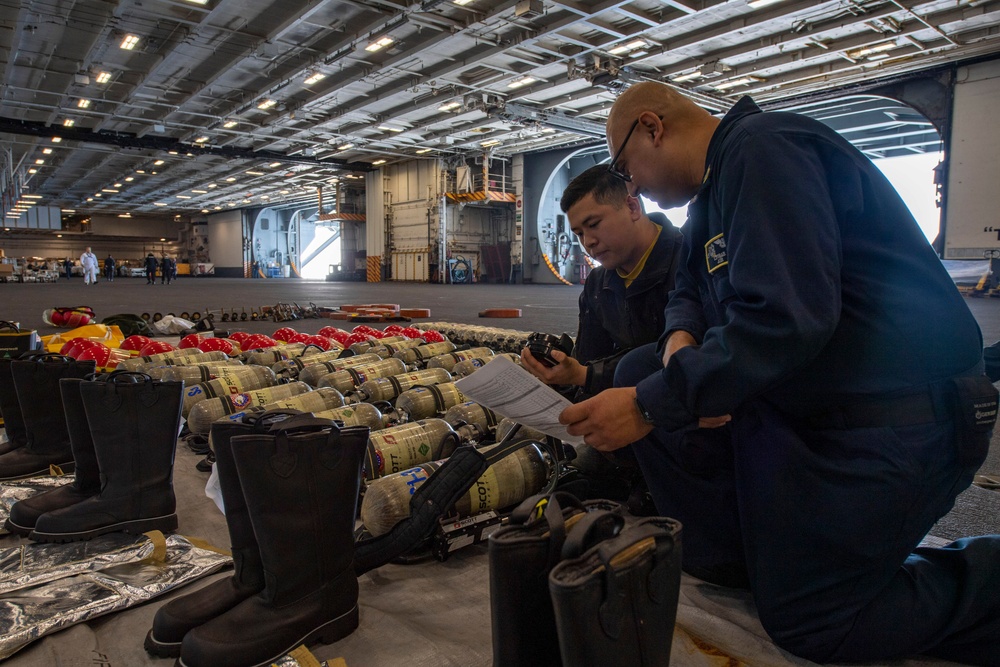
(614, 160)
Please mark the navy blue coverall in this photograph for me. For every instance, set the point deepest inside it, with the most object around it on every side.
(829, 330)
(615, 319)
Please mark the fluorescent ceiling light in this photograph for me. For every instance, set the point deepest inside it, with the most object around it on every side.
(870, 50)
(491, 142)
(212, 185)
(32, 171)
(129, 42)
(379, 44)
(182, 196)
(69, 122)
(31, 196)
(83, 103)
(117, 185)
(200, 192)
(254, 173)
(461, 3)
(110, 190)
(389, 128)
(757, 4)
(423, 150)
(621, 48)
(47, 151)
(344, 147)
(735, 83)
(124, 215)
(198, 2)
(159, 203)
(56, 140)
(449, 106)
(229, 123)
(39, 161)
(231, 179)
(267, 104)
(523, 81)
(274, 164)
(315, 77)
(103, 77)
(201, 140)
(378, 162)
(690, 76)
(158, 163)
(129, 179)
(69, 210)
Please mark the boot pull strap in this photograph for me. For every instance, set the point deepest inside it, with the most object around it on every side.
(261, 420)
(126, 377)
(303, 352)
(591, 529)
(50, 358)
(305, 421)
(616, 555)
(534, 507)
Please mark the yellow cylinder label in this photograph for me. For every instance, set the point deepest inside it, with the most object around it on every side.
(485, 493)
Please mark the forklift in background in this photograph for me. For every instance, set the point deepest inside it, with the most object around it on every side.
(990, 281)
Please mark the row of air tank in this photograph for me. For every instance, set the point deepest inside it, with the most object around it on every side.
(403, 390)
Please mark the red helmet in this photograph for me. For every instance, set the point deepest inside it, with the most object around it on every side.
(218, 344)
(284, 334)
(331, 332)
(155, 347)
(239, 337)
(258, 341)
(357, 337)
(297, 338)
(135, 343)
(411, 332)
(191, 340)
(433, 337)
(98, 353)
(392, 330)
(78, 345)
(363, 328)
(319, 341)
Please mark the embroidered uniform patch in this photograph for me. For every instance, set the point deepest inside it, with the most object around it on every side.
(715, 253)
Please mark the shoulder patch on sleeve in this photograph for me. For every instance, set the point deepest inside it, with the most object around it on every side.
(715, 253)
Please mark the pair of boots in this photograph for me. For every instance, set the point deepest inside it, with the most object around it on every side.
(122, 430)
(290, 490)
(573, 586)
(37, 435)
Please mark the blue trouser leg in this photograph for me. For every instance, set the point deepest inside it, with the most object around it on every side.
(830, 521)
(690, 476)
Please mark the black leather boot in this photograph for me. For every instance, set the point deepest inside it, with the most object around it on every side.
(176, 618)
(47, 440)
(10, 409)
(133, 421)
(521, 556)
(301, 488)
(87, 483)
(616, 604)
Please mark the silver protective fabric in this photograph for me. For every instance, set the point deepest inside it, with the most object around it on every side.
(11, 492)
(50, 587)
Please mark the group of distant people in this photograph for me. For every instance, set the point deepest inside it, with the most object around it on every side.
(90, 264)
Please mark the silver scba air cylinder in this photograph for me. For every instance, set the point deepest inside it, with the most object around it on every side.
(505, 483)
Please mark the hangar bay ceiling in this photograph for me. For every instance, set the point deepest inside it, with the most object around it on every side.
(183, 106)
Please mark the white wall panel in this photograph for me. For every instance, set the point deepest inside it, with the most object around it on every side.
(971, 223)
(225, 238)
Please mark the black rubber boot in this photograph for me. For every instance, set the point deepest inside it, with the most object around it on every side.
(133, 421)
(521, 556)
(301, 487)
(47, 439)
(616, 603)
(10, 409)
(176, 618)
(24, 514)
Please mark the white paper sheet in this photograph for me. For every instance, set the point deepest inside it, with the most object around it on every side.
(510, 391)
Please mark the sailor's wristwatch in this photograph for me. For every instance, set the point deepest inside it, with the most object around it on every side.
(645, 414)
